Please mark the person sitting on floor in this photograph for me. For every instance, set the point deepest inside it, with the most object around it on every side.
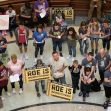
(86, 82)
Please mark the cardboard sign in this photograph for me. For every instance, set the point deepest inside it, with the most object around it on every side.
(4, 22)
(37, 74)
(59, 90)
(68, 11)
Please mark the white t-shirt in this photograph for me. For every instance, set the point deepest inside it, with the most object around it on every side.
(15, 68)
(12, 14)
(56, 65)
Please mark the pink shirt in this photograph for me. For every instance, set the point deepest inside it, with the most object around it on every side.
(15, 68)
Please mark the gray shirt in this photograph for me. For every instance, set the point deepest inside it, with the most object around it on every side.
(103, 62)
(107, 74)
(87, 63)
(56, 65)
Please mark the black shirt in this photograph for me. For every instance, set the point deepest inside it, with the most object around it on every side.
(75, 72)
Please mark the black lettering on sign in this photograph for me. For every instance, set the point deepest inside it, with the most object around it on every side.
(68, 91)
(38, 72)
(45, 71)
(33, 72)
(29, 73)
(69, 12)
(57, 88)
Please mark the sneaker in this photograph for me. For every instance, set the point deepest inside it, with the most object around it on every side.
(35, 60)
(74, 91)
(2, 98)
(87, 94)
(26, 57)
(69, 57)
(84, 99)
(21, 56)
(20, 91)
(8, 94)
(77, 87)
(44, 91)
(13, 91)
(80, 93)
(105, 105)
(41, 57)
(61, 54)
(38, 95)
(72, 58)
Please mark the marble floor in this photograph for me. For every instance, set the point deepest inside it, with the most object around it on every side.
(29, 96)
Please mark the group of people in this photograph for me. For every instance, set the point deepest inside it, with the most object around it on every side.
(84, 73)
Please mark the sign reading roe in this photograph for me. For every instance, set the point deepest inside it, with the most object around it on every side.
(59, 90)
(68, 11)
(37, 74)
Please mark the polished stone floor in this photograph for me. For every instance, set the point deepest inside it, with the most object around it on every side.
(29, 94)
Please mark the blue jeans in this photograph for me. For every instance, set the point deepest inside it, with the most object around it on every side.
(106, 44)
(57, 44)
(42, 85)
(83, 49)
(61, 80)
(72, 51)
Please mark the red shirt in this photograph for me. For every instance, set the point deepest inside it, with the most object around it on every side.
(22, 36)
(3, 73)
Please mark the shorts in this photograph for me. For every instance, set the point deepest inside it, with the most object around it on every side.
(20, 45)
(94, 38)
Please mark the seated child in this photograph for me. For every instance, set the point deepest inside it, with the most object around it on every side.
(75, 74)
(86, 82)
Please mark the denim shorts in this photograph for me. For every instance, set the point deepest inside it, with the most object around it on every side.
(94, 38)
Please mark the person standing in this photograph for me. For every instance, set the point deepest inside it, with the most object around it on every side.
(95, 9)
(106, 33)
(41, 8)
(3, 80)
(75, 75)
(39, 41)
(26, 12)
(12, 19)
(83, 33)
(71, 41)
(3, 44)
(107, 86)
(22, 34)
(94, 28)
(104, 61)
(58, 64)
(56, 34)
(38, 65)
(15, 67)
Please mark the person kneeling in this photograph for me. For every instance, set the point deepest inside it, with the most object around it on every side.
(86, 82)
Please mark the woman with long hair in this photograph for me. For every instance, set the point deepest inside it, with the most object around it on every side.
(71, 41)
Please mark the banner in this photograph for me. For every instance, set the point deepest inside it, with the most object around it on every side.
(4, 22)
(59, 90)
(36, 74)
(68, 11)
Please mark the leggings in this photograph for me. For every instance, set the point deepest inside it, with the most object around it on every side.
(20, 82)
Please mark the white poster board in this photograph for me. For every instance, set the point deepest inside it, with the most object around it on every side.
(4, 22)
